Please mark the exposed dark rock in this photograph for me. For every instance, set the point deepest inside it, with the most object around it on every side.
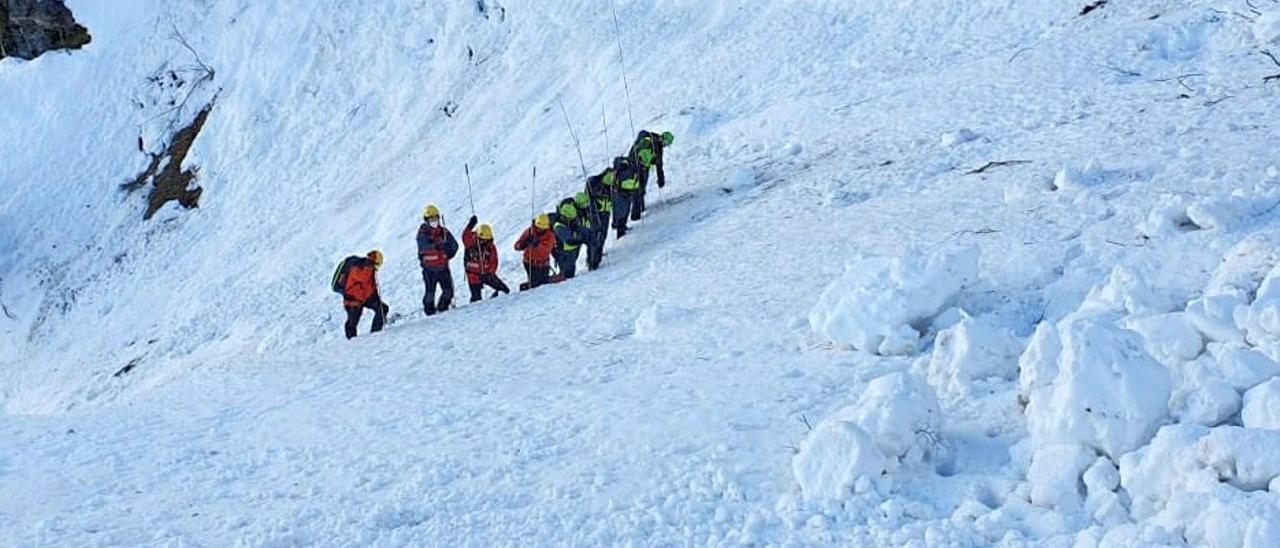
(169, 181)
(29, 28)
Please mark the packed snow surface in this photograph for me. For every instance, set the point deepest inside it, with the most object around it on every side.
(925, 274)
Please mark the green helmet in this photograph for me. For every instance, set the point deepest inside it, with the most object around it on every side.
(581, 200)
(569, 211)
(668, 138)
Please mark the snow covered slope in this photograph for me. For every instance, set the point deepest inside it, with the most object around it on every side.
(680, 395)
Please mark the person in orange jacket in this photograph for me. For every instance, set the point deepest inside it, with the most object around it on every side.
(481, 260)
(358, 281)
(537, 242)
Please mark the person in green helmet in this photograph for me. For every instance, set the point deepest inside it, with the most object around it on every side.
(646, 153)
(597, 225)
(571, 235)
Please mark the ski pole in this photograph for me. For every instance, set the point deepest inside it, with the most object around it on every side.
(626, 86)
(576, 143)
(470, 195)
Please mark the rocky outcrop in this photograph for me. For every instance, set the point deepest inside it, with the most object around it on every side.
(29, 28)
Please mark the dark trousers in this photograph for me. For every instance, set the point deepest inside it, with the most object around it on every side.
(567, 262)
(595, 248)
(491, 280)
(622, 204)
(637, 203)
(437, 279)
(379, 316)
(538, 275)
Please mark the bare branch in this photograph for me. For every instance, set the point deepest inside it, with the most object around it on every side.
(1125, 72)
(1272, 56)
(1002, 163)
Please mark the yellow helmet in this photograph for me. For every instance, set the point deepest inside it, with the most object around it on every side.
(543, 222)
(485, 232)
(376, 257)
(431, 212)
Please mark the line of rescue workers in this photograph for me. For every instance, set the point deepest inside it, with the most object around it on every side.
(616, 194)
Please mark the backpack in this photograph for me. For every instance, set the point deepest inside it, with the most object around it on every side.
(340, 274)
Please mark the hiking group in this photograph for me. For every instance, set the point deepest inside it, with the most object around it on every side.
(612, 197)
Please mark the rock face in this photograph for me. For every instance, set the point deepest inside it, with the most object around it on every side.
(29, 28)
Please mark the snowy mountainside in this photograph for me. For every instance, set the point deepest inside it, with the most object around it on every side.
(970, 194)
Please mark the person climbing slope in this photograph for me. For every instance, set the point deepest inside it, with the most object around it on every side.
(537, 243)
(436, 246)
(646, 153)
(597, 225)
(571, 235)
(356, 278)
(481, 260)
(625, 193)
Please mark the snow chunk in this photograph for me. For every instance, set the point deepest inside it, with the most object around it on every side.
(1168, 217)
(1210, 404)
(881, 304)
(1214, 317)
(1260, 321)
(899, 411)
(1055, 476)
(1108, 394)
(1038, 365)
(1243, 457)
(1262, 406)
(1245, 267)
(1153, 473)
(1244, 367)
(1222, 517)
(970, 353)
(1125, 292)
(1074, 178)
(832, 458)
(895, 409)
(958, 137)
(1169, 337)
(1230, 211)
(1267, 29)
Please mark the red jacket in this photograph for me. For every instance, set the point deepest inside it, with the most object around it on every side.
(538, 254)
(362, 284)
(478, 259)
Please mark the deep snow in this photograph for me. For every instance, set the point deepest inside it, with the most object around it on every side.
(1104, 375)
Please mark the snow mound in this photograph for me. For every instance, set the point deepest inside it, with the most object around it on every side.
(971, 354)
(882, 305)
(959, 137)
(1080, 178)
(1168, 217)
(833, 458)
(1245, 367)
(896, 414)
(1231, 211)
(1055, 476)
(1260, 321)
(1169, 337)
(1244, 267)
(1107, 393)
(1262, 406)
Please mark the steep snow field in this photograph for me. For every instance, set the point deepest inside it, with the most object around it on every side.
(828, 329)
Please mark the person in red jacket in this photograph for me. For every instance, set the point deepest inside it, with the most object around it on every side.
(360, 291)
(436, 247)
(481, 260)
(537, 243)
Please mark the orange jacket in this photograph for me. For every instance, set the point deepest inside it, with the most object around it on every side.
(536, 245)
(362, 283)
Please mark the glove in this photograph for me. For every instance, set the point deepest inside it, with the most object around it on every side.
(471, 223)
(661, 183)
